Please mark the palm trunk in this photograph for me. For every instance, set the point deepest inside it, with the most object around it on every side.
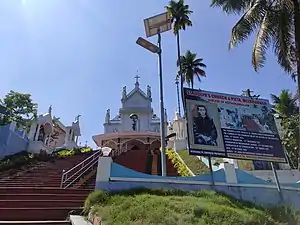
(180, 73)
(297, 43)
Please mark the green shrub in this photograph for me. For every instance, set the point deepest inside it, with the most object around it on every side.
(197, 166)
(77, 151)
(178, 165)
(94, 198)
(175, 207)
(21, 159)
(25, 158)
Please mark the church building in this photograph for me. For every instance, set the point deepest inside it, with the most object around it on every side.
(133, 133)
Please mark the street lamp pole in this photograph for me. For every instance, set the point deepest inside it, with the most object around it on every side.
(178, 98)
(155, 26)
(162, 110)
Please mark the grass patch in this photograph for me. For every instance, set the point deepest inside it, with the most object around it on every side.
(178, 165)
(22, 159)
(195, 165)
(76, 151)
(173, 207)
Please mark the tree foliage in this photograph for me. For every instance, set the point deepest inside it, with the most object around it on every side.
(286, 109)
(19, 108)
(179, 13)
(276, 24)
(285, 104)
(191, 67)
(273, 22)
(290, 139)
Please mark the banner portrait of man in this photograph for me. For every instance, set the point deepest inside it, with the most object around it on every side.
(204, 126)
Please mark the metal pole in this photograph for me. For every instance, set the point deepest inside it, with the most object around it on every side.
(162, 112)
(276, 180)
(211, 171)
(178, 99)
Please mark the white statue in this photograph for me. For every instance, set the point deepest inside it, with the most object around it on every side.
(124, 92)
(107, 117)
(166, 116)
(50, 109)
(148, 91)
(77, 118)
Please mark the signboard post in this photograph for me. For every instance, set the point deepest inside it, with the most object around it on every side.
(232, 126)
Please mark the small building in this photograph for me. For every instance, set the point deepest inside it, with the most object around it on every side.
(49, 133)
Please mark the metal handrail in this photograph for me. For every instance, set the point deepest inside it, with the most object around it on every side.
(87, 169)
(97, 152)
(88, 162)
(78, 171)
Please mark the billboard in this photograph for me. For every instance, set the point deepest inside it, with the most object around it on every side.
(231, 126)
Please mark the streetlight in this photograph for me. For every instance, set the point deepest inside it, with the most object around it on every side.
(155, 26)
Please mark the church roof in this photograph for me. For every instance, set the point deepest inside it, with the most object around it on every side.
(133, 91)
(137, 89)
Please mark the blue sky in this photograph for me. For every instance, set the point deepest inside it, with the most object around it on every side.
(78, 54)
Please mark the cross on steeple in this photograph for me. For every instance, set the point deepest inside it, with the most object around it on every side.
(137, 78)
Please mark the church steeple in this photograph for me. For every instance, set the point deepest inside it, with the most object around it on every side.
(137, 84)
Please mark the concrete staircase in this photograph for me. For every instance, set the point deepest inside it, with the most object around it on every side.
(34, 196)
(133, 159)
(154, 170)
(171, 171)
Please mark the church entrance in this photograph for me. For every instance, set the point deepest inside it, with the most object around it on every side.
(135, 157)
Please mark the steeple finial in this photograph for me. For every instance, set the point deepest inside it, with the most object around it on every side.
(137, 79)
(50, 109)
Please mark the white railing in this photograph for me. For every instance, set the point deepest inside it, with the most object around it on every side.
(73, 174)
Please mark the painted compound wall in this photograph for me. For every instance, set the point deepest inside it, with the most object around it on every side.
(234, 182)
(12, 141)
(261, 196)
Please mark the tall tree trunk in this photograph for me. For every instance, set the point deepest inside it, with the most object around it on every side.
(180, 72)
(297, 43)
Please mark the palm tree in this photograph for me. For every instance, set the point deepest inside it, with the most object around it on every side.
(179, 13)
(191, 67)
(277, 22)
(285, 104)
(286, 108)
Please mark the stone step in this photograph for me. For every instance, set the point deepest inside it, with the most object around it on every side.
(43, 190)
(34, 214)
(33, 184)
(45, 203)
(29, 180)
(38, 196)
(154, 165)
(82, 181)
(47, 222)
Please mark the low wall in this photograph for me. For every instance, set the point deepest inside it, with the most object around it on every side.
(12, 141)
(234, 182)
(259, 195)
(284, 176)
